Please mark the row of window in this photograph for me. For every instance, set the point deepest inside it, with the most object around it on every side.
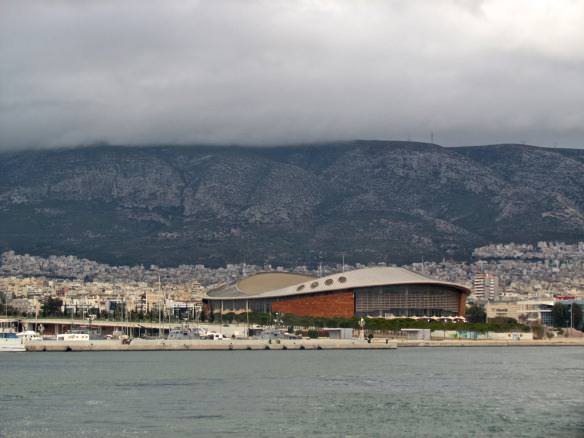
(327, 282)
(405, 313)
(431, 299)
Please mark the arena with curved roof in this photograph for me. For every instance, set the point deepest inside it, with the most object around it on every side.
(370, 292)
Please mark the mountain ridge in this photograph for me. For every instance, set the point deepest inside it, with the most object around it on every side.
(387, 201)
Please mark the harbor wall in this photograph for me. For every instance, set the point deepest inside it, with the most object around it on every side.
(303, 344)
(238, 344)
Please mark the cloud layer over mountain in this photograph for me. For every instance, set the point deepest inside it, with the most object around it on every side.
(281, 71)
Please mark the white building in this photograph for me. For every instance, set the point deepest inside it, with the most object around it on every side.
(485, 287)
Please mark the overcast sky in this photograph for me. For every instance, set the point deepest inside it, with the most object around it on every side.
(276, 72)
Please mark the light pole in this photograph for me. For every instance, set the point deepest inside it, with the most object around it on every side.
(159, 307)
(159, 318)
(362, 328)
(278, 320)
(247, 316)
(90, 318)
(444, 329)
(5, 298)
(198, 310)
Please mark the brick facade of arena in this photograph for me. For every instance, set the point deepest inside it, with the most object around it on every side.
(332, 304)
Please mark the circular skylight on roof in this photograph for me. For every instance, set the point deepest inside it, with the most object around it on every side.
(328, 282)
(314, 284)
(342, 279)
(299, 288)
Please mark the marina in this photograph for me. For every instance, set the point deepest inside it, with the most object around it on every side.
(217, 337)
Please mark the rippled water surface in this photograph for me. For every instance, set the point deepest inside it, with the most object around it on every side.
(409, 392)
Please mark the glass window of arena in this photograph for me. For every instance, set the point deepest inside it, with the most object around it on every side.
(406, 301)
(239, 306)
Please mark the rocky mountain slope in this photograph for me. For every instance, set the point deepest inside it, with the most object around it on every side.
(373, 201)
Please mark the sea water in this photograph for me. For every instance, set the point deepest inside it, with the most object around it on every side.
(409, 392)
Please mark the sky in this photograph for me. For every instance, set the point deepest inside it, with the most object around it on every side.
(264, 72)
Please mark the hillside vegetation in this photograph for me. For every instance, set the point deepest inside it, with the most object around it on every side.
(374, 201)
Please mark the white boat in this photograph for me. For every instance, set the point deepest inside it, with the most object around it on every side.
(276, 334)
(75, 337)
(29, 336)
(187, 333)
(118, 335)
(9, 342)
(213, 336)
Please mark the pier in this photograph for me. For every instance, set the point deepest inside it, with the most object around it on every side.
(291, 344)
(208, 345)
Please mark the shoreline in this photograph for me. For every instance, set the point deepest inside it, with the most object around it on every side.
(283, 345)
(208, 345)
(562, 342)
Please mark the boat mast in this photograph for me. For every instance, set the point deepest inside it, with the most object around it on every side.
(159, 308)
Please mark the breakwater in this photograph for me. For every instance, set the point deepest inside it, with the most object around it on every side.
(300, 344)
(236, 344)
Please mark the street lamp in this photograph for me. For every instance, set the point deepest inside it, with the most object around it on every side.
(198, 309)
(90, 318)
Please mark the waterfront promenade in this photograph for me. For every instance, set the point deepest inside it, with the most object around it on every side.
(234, 344)
(240, 343)
(554, 342)
(292, 344)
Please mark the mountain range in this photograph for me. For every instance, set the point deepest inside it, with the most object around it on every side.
(371, 201)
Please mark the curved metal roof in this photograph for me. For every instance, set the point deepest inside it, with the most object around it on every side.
(359, 278)
(258, 284)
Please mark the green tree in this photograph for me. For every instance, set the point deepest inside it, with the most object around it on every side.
(4, 307)
(577, 315)
(538, 331)
(574, 315)
(476, 314)
(560, 315)
(52, 307)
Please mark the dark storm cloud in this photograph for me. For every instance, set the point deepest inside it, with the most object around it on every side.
(258, 72)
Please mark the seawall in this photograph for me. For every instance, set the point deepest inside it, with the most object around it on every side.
(557, 342)
(301, 344)
(203, 345)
